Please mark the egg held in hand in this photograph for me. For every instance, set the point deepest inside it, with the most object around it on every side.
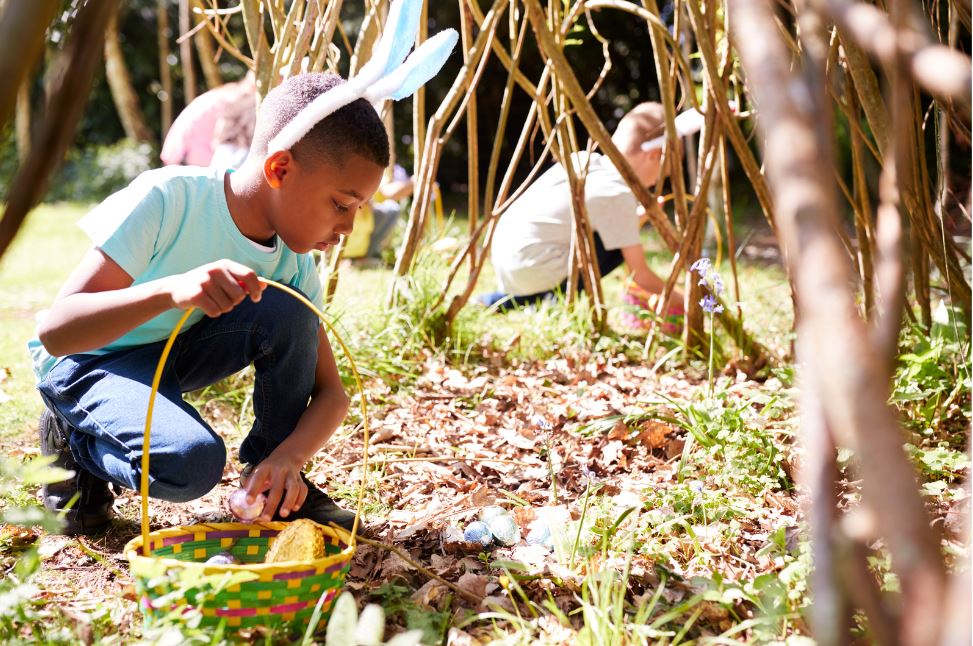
(243, 509)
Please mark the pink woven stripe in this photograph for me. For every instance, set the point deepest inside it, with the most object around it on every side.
(293, 575)
(231, 533)
(337, 567)
(172, 540)
(236, 612)
(291, 607)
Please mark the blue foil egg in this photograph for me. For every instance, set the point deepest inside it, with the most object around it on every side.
(540, 535)
(504, 528)
(478, 532)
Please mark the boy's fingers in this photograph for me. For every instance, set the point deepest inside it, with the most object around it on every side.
(208, 305)
(300, 498)
(220, 298)
(248, 281)
(293, 491)
(273, 497)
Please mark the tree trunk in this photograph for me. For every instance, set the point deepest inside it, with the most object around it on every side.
(843, 367)
(207, 58)
(22, 29)
(165, 71)
(186, 53)
(82, 54)
(120, 84)
(22, 122)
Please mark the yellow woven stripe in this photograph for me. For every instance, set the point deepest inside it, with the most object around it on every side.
(287, 616)
(199, 537)
(263, 594)
(290, 599)
(177, 548)
(233, 604)
(293, 583)
(315, 587)
(233, 588)
(233, 621)
(226, 542)
(199, 553)
(253, 550)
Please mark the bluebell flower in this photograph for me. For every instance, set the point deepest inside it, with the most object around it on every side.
(701, 266)
(710, 305)
(717, 283)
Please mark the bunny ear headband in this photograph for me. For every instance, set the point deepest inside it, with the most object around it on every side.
(388, 75)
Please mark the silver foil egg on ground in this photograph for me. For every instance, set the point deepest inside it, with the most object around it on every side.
(504, 529)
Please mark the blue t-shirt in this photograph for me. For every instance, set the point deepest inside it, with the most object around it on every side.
(169, 221)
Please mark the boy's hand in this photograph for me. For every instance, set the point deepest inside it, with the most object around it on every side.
(215, 288)
(277, 477)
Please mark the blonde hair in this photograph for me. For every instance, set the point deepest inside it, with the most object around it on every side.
(643, 122)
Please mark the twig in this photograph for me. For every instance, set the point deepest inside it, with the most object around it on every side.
(99, 557)
(438, 458)
(469, 596)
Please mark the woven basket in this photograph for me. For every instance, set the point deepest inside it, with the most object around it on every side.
(276, 592)
(169, 566)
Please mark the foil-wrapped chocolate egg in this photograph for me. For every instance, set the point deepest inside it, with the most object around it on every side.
(223, 558)
(478, 532)
(243, 509)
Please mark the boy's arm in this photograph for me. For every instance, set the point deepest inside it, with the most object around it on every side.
(98, 303)
(644, 277)
(279, 475)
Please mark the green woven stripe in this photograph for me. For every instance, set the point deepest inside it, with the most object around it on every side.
(239, 550)
(249, 591)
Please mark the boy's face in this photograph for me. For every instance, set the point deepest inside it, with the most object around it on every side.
(315, 204)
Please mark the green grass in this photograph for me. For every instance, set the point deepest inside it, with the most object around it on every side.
(44, 253)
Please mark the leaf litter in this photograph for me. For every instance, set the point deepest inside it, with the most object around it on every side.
(534, 439)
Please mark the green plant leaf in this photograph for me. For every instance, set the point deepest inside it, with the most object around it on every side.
(371, 625)
(344, 620)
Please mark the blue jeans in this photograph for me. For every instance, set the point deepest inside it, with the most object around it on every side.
(103, 398)
(386, 215)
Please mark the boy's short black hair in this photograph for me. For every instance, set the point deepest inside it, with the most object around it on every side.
(355, 128)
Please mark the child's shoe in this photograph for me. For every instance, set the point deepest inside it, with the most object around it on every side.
(92, 512)
(318, 506)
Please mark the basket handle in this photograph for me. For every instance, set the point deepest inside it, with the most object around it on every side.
(144, 485)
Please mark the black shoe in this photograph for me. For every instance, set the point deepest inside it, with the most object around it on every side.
(318, 506)
(91, 511)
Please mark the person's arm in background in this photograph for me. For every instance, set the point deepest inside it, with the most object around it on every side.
(396, 189)
(644, 277)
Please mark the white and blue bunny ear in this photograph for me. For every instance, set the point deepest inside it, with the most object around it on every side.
(421, 66)
(388, 75)
(398, 37)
